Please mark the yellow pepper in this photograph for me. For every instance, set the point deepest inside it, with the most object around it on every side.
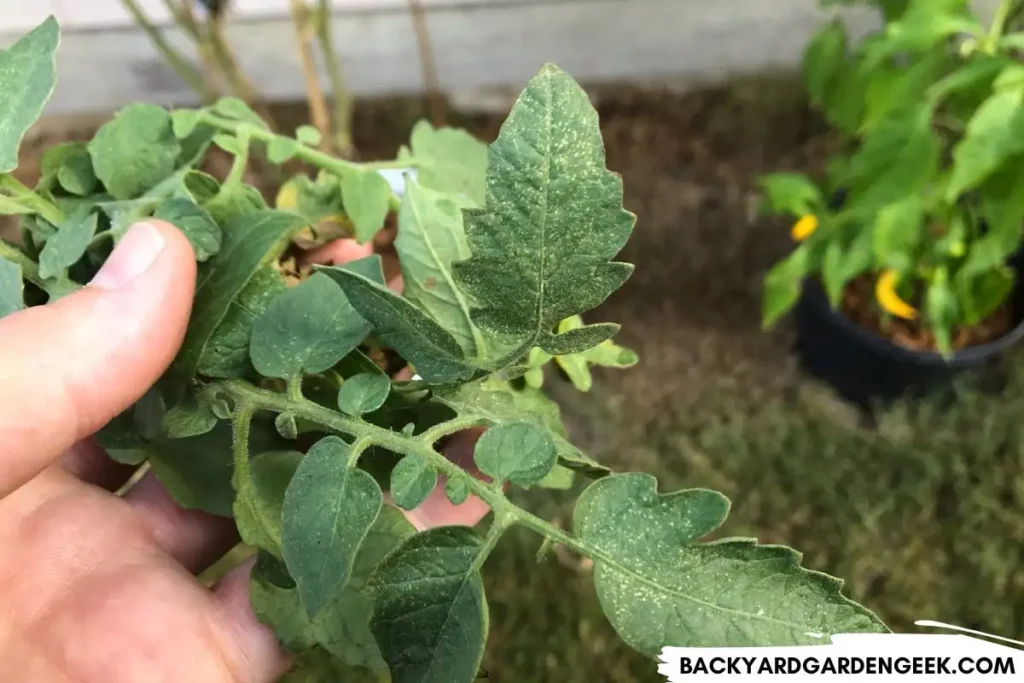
(885, 292)
(804, 227)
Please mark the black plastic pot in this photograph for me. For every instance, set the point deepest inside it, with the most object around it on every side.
(866, 368)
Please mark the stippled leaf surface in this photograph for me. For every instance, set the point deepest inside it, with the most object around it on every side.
(12, 288)
(307, 328)
(396, 322)
(227, 354)
(449, 160)
(197, 470)
(249, 241)
(260, 501)
(365, 196)
(135, 150)
(192, 416)
(195, 222)
(363, 393)
(328, 510)
(659, 587)
(498, 402)
(520, 452)
(67, 246)
(343, 626)
(28, 73)
(430, 239)
(430, 615)
(553, 220)
(412, 480)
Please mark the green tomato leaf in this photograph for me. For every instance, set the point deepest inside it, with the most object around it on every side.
(343, 628)
(497, 402)
(28, 73)
(196, 223)
(227, 353)
(658, 588)
(457, 491)
(197, 470)
(12, 288)
(192, 416)
(306, 329)
(65, 248)
(286, 426)
(260, 501)
(449, 160)
(280, 150)
(236, 108)
(72, 169)
(250, 240)
(366, 197)
(994, 133)
(520, 452)
(431, 237)
(328, 510)
(412, 480)
(363, 393)
(430, 615)
(396, 322)
(547, 185)
(791, 193)
(135, 150)
(309, 135)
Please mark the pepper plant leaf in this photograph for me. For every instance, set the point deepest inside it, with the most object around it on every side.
(659, 588)
(366, 197)
(328, 509)
(135, 150)
(520, 452)
(306, 329)
(553, 220)
(434, 352)
(994, 133)
(12, 288)
(429, 612)
(250, 240)
(431, 237)
(28, 74)
(67, 246)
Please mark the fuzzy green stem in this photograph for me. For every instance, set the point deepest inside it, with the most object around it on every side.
(186, 72)
(242, 421)
(37, 203)
(247, 396)
(29, 269)
(314, 157)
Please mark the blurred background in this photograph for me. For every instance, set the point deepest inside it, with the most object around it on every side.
(919, 509)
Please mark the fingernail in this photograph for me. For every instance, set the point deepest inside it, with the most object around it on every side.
(134, 254)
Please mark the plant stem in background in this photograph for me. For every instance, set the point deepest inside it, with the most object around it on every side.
(342, 105)
(431, 82)
(184, 17)
(319, 114)
(240, 84)
(999, 20)
(192, 77)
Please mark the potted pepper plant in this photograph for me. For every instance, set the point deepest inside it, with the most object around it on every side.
(906, 268)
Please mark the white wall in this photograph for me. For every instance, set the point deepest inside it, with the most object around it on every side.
(104, 62)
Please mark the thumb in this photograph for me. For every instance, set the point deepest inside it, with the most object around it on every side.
(68, 368)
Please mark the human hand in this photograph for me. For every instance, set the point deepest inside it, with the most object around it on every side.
(96, 587)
